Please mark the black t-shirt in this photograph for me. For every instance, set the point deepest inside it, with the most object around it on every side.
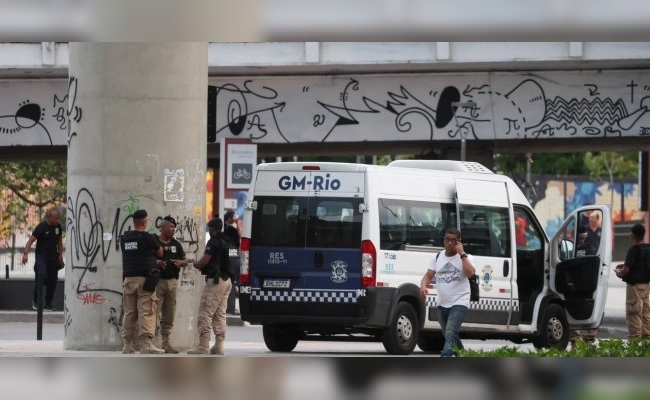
(47, 239)
(231, 235)
(171, 251)
(635, 260)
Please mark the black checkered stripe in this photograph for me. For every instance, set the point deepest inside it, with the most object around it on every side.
(490, 304)
(305, 296)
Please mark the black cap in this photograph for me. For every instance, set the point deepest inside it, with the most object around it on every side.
(638, 230)
(229, 214)
(215, 223)
(171, 219)
(140, 214)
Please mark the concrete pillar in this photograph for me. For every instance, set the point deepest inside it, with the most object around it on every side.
(137, 139)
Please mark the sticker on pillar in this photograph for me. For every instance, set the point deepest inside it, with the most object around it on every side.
(174, 184)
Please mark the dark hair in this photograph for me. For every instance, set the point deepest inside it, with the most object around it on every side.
(215, 223)
(229, 214)
(140, 214)
(171, 219)
(638, 231)
(452, 231)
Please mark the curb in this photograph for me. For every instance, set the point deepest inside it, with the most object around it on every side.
(56, 317)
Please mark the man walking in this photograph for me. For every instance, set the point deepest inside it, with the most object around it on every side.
(139, 252)
(635, 272)
(451, 269)
(48, 236)
(214, 299)
(172, 260)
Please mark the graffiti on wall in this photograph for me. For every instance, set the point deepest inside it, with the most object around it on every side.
(553, 199)
(432, 107)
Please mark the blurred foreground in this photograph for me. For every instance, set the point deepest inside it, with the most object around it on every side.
(318, 378)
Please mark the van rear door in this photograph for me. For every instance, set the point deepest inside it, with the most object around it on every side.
(484, 223)
(306, 242)
(581, 255)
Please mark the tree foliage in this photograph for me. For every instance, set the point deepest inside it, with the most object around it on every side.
(28, 185)
(597, 166)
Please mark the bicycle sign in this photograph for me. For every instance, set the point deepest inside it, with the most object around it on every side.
(241, 173)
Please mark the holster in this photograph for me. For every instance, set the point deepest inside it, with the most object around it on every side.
(151, 281)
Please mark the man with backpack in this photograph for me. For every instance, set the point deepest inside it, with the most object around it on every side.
(636, 273)
(219, 277)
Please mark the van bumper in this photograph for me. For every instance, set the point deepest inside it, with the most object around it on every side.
(371, 310)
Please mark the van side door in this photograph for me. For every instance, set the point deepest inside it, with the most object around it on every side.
(486, 233)
(581, 255)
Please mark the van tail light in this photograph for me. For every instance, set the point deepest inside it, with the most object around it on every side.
(368, 264)
(245, 268)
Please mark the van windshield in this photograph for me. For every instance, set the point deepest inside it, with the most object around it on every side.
(329, 222)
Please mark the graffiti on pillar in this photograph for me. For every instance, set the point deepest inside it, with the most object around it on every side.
(433, 107)
(67, 110)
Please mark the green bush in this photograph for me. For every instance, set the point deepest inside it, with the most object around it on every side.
(603, 348)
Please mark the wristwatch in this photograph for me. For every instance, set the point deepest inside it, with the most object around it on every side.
(464, 255)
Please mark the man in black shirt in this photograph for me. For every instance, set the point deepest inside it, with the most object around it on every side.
(172, 260)
(140, 250)
(48, 236)
(635, 272)
(231, 235)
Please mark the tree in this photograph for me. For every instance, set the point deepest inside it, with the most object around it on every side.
(28, 185)
(611, 165)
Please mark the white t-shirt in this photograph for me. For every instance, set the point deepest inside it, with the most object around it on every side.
(451, 281)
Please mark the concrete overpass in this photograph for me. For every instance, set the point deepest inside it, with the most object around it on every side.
(309, 98)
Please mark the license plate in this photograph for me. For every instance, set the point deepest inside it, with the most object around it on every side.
(277, 284)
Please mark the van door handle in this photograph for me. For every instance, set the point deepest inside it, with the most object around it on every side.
(318, 259)
(506, 268)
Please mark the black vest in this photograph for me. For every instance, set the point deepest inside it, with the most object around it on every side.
(137, 254)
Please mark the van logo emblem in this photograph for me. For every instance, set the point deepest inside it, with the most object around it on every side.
(339, 271)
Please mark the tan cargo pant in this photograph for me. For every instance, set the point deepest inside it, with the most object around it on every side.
(588, 335)
(212, 310)
(166, 294)
(139, 309)
(637, 310)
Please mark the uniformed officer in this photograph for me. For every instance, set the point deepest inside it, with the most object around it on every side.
(214, 299)
(172, 260)
(139, 252)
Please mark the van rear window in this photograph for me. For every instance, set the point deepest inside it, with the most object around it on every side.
(328, 222)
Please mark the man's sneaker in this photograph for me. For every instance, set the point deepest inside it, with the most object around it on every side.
(49, 307)
(34, 305)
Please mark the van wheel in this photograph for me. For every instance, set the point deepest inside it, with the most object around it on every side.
(401, 336)
(282, 338)
(553, 330)
(430, 342)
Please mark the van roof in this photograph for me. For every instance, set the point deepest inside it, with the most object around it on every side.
(442, 165)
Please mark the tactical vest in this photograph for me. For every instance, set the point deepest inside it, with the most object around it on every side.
(219, 263)
(137, 257)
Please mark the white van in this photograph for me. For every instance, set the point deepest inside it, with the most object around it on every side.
(335, 251)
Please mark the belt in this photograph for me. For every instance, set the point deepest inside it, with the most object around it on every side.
(216, 280)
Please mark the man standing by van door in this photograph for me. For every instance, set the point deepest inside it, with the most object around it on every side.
(636, 274)
(172, 260)
(231, 235)
(451, 269)
(214, 299)
(583, 249)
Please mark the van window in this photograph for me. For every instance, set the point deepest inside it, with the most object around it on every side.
(485, 231)
(301, 221)
(403, 222)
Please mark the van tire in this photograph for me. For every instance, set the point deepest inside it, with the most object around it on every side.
(401, 336)
(280, 338)
(553, 330)
(431, 342)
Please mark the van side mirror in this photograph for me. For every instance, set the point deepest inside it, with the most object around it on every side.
(565, 250)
